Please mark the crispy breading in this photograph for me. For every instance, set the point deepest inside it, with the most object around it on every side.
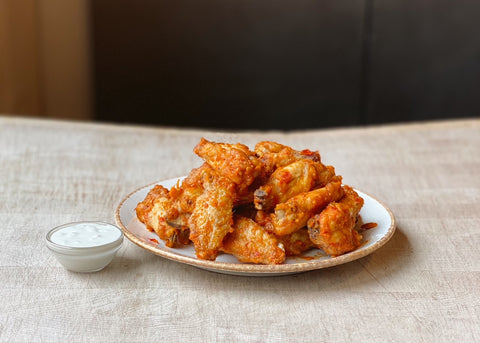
(296, 243)
(274, 155)
(233, 161)
(293, 214)
(144, 208)
(265, 220)
(185, 194)
(167, 212)
(268, 147)
(153, 212)
(295, 178)
(255, 205)
(324, 174)
(249, 242)
(211, 218)
(333, 229)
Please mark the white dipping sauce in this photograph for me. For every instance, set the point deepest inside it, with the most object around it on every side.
(84, 235)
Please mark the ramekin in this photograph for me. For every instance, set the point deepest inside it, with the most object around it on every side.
(84, 259)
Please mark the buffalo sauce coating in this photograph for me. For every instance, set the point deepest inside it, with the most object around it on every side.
(368, 226)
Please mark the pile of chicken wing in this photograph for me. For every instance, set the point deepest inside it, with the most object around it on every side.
(260, 206)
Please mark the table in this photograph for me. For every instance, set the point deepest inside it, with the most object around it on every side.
(423, 285)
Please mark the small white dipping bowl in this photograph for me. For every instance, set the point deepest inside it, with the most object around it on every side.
(85, 246)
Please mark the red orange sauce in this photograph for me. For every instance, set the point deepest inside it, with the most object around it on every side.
(368, 226)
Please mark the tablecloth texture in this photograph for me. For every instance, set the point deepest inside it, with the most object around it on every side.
(423, 285)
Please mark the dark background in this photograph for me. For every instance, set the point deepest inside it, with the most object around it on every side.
(278, 64)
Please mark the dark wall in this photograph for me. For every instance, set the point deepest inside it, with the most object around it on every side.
(425, 60)
(282, 64)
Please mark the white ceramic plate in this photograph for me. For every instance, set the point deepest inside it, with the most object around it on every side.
(372, 212)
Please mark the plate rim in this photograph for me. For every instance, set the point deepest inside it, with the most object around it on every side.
(249, 268)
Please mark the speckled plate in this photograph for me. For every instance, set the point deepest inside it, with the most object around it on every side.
(372, 211)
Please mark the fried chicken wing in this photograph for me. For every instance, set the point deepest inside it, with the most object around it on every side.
(153, 212)
(260, 205)
(333, 229)
(144, 208)
(185, 194)
(268, 147)
(293, 214)
(297, 242)
(169, 217)
(295, 178)
(249, 242)
(233, 161)
(274, 155)
(324, 174)
(211, 218)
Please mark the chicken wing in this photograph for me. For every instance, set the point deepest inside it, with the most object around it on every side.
(185, 194)
(144, 208)
(268, 147)
(324, 174)
(333, 229)
(211, 218)
(274, 155)
(153, 212)
(297, 242)
(233, 161)
(249, 242)
(167, 212)
(260, 205)
(295, 178)
(293, 214)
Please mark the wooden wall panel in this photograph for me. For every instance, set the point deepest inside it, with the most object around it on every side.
(45, 67)
(67, 79)
(247, 64)
(20, 90)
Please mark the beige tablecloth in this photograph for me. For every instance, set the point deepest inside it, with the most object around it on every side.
(423, 285)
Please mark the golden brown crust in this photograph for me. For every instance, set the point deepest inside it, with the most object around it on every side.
(296, 243)
(274, 155)
(153, 212)
(144, 208)
(254, 205)
(185, 195)
(293, 214)
(333, 229)
(233, 161)
(249, 242)
(211, 218)
(286, 182)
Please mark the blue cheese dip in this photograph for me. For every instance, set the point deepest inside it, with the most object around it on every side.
(86, 234)
(85, 246)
